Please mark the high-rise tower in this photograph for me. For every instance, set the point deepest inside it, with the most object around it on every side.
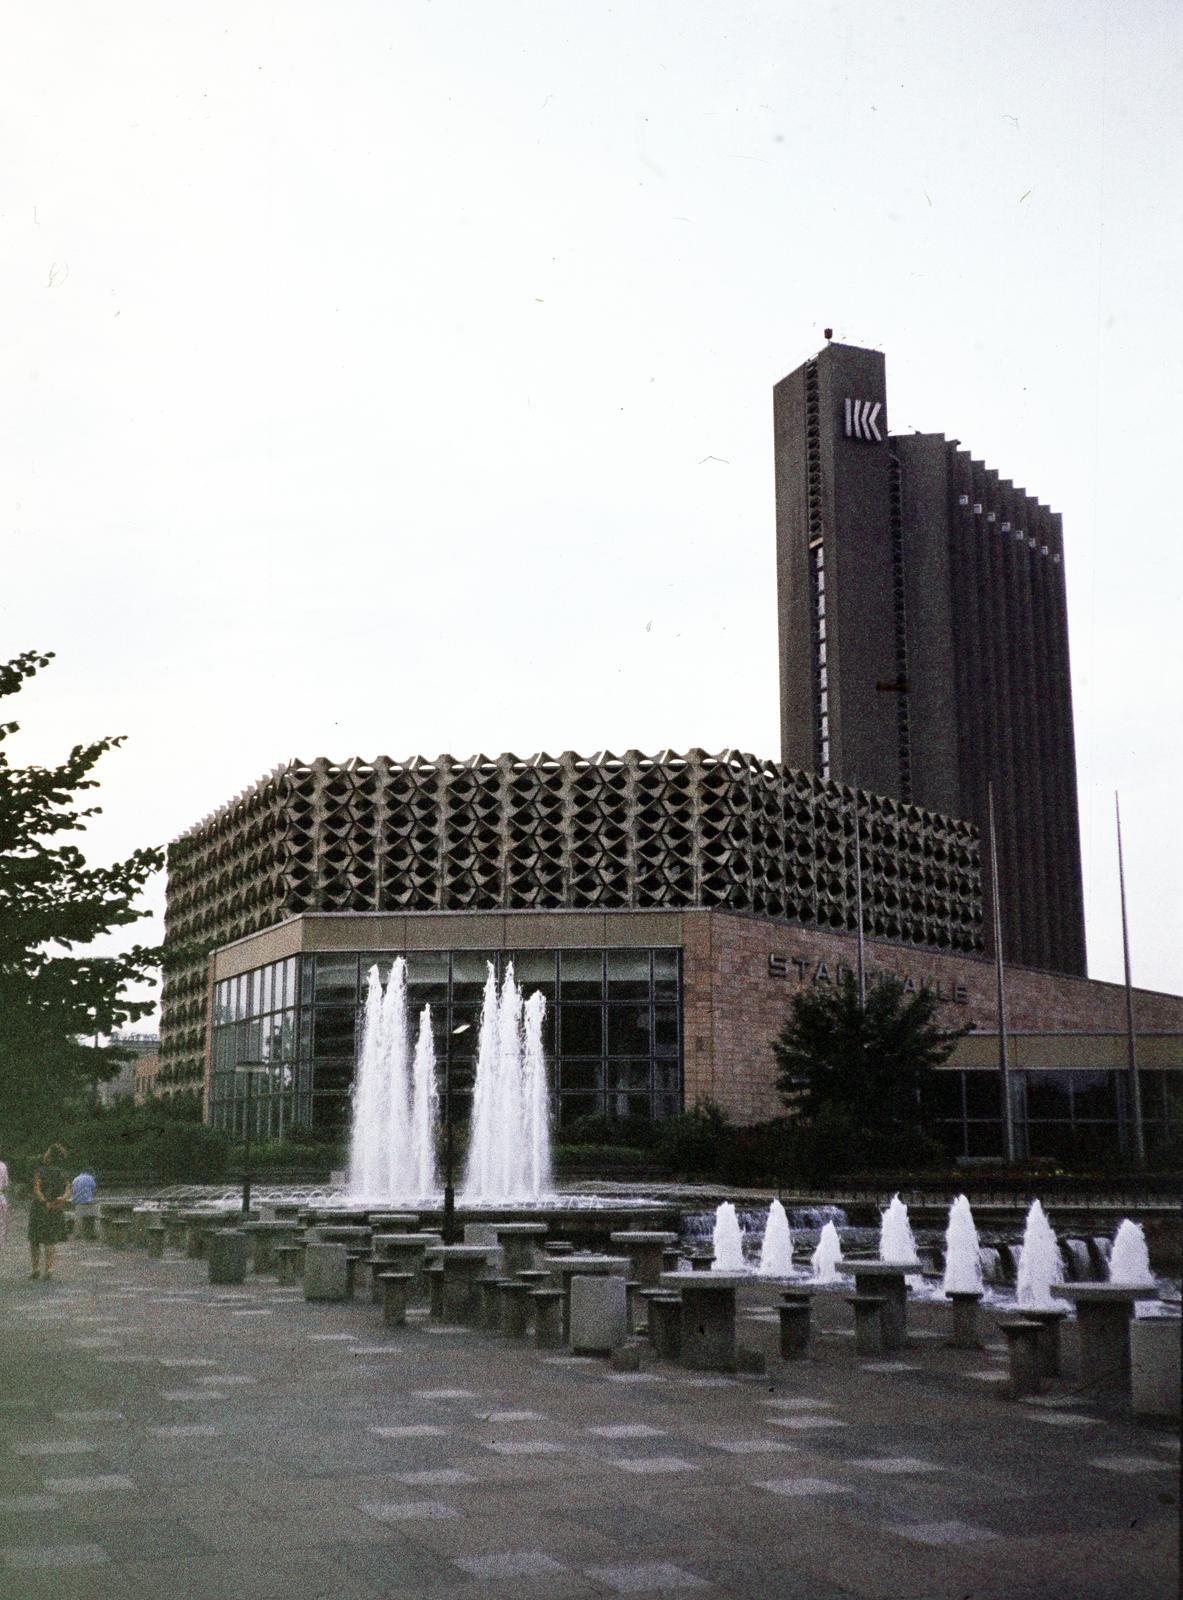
(924, 636)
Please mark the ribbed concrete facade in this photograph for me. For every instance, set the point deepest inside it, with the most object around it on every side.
(924, 637)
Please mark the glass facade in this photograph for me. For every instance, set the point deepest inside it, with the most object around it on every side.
(1077, 1116)
(612, 1032)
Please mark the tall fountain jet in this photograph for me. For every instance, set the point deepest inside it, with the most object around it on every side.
(1040, 1264)
(395, 1102)
(509, 1138)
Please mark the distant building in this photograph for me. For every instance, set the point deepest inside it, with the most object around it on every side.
(143, 1047)
(147, 1068)
(924, 637)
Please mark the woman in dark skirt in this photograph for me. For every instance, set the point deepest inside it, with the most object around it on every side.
(47, 1209)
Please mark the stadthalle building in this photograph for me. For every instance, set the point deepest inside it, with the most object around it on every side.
(670, 904)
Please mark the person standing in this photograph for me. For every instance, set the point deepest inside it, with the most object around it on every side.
(47, 1213)
(83, 1188)
(3, 1204)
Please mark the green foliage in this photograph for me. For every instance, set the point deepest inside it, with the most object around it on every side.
(152, 1142)
(52, 901)
(695, 1143)
(855, 1075)
(593, 1158)
(636, 1133)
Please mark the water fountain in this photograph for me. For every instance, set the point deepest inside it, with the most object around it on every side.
(776, 1248)
(828, 1256)
(509, 1141)
(963, 1261)
(1040, 1264)
(1129, 1260)
(896, 1243)
(395, 1111)
(728, 1240)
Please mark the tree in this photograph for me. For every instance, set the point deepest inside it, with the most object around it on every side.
(856, 1073)
(51, 901)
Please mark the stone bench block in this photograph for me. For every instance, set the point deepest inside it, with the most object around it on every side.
(326, 1272)
(599, 1314)
(288, 1259)
(1026, 1366)
(795, 1315)
(868, 1323)
(156, 1241)
(665, 1324)
(225, 1254)
(515, 1308)
(1154, 1367)
(548, 1318)
(395, 1288)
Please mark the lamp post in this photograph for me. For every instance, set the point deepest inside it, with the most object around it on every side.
(250, 1070)
(449, 1222)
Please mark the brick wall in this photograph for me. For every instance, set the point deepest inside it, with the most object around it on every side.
(734, 1006)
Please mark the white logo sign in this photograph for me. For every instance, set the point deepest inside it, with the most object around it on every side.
(860, 419)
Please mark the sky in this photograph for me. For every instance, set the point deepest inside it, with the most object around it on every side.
(395, 378)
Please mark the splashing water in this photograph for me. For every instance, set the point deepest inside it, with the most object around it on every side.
(963, 1257)
(727, 1240)
(1129, 1260)
(509, 1144)
(776, 1249)
(826, 1257)
(896, 1243)
(1040, 1264)
(392, 1139)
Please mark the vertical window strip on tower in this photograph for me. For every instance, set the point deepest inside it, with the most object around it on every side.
(817, 572)
(900, 621)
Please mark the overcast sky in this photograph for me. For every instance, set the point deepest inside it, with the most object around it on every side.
(396, 377)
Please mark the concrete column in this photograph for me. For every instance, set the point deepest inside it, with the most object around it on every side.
(964, 1335)
(868, 1324)
(665, 1325)
(155, 1242)
(548, 1318)
(1026, 1368)
(599, 1314)
(326, 1272)
(1154, 1367)
(795, 1312)
(394, 1297)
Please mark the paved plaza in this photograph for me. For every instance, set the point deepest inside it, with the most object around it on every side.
(166, 1439)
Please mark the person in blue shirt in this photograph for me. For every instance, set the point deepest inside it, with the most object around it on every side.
(83, 1188)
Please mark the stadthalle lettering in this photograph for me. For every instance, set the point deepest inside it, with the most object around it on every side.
(808, 970)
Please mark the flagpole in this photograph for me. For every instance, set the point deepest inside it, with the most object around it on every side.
(1131, 1036)
(1008, 1121)
(858, 907)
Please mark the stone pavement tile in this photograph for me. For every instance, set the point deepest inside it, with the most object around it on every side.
(650, 1466)
(149, 1539)
(412, 1430)
(794, 1488)
(745, 1447)
(312, 1575)
(1130, 1464)
(805, 1424)
(645, 1577)
(798, 1403)
(97, 1415)
(25, 1505)
(55, 1447)
(942, 1533)
(23, 1558)
(511, 1564)
(525, 1447)
(92, 1483)
(443, 1394)
(626, 1430)
(893, 1465)
(1065, 1419)
(408, 1510)
(437, 1477)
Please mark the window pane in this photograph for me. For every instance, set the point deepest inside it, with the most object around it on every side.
(336, 977)
(1094, 1096)
(628, 974)
(581, 972)
(265, 989)
(981, 1096)
(628, 1030)
(581, 1075)
(427, 977)
(333, 1030)
(581, 1030)
(632, 1075)
(665, 974)
(983, 1138)
(942, 1095)
(666, 1076)
(665, 1030)
(333, 1077)
(1173, 1084)
(470, 969)
(534, 969)
(1047, 1097)
(574, 1106)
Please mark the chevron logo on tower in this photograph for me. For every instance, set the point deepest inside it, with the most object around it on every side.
(860, 419)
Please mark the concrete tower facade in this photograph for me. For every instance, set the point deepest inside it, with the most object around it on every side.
(924, 637)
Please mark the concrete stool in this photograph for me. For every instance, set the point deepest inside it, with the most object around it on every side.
(558, 1247)
(118, 1230)
(286, 1262)
(1050, 1323)
(548, 1318)
(965, 1319)
(174, 1230)
(709, 1342)
(395, 1287)
(635, 1306)
(195, 1240)
(490, 1293)
(1104, 1312)
(326, 1272)
(1154, 1367)
(645, 1251)
(643, 1299)
(533, 1277)
(665, 1324)
(1022, 1346)
(888, 1281)
(519, 1243)
(225, 1253)
(868, 1323)
(395, 1221)
(435, 1291)
(155, 1241)
(86, 1217)
(702, 1260)
(354, 1258)
(141, 1219)
(515, 1308)
(599, 1314)
(795, 1312)
(670, 1259)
